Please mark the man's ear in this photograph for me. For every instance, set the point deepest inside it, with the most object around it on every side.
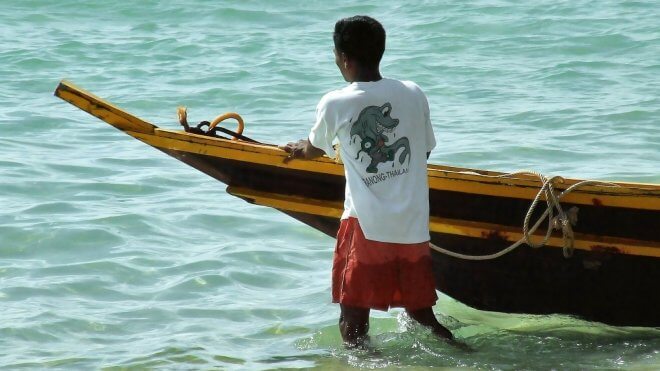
(344, 60)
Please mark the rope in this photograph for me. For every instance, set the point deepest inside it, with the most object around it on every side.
(213, 129)
(564, 221)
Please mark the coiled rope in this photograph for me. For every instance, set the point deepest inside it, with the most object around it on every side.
(564, 221)
(213, 127)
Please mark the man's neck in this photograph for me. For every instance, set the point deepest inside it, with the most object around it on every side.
(367, 75)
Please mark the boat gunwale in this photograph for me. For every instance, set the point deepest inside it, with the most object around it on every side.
(435, 171)
(440, 177)
(129, 123)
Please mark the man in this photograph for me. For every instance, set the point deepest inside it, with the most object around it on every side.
(382, 257)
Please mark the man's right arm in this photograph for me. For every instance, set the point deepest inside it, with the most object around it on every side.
(302, 149)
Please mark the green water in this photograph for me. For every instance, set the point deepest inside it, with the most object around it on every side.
(115, 256)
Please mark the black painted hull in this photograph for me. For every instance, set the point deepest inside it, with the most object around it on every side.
(598, 285)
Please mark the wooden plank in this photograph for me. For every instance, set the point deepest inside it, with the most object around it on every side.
(102, 109)
(515, 188)
(274, 158)
(589, 195)
(290, 203)
(451, 226)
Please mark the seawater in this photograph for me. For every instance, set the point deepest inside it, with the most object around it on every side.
(115, 256)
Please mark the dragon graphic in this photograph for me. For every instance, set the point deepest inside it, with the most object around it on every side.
(372, 122)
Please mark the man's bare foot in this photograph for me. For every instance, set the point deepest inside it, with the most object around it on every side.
(360, 343)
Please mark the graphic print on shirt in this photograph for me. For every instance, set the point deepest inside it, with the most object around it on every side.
(371, 126)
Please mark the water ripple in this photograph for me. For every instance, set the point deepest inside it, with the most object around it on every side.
(113, 255)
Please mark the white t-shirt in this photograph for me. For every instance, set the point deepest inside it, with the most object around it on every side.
(384, 131)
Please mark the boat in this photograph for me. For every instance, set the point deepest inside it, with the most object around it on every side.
(491, 247)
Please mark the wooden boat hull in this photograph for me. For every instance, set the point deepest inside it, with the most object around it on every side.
(610, 278)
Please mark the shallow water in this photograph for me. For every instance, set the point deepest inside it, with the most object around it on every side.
(113, 255)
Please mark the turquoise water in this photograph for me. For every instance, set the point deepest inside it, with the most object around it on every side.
(115, 256)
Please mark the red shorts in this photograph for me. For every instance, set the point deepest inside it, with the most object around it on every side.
(380, 275)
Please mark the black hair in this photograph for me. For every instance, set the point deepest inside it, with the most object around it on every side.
(361, 38)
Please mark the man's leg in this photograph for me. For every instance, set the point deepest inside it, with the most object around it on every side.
(426, 317)
(353, 324)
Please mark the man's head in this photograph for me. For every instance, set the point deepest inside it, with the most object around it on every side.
(359, 44)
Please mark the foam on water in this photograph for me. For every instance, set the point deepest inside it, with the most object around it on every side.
(113, 255)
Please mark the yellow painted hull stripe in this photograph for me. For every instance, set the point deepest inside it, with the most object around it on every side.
(450, 226)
